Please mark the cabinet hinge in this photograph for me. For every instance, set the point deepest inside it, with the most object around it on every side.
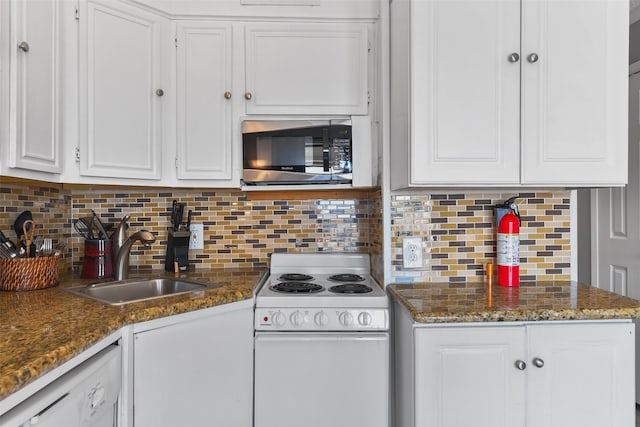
(369, 46)
(175, 40)
(77, 152)
(176, 163)
(77, 13)
(368, 97)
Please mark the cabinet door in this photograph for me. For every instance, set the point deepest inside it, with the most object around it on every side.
(466, 377)
(119, 77)
(306, 68)
(196, 373)
(34, 112)
(574, 92)
(465, 95)
(587, 378)
(204, 85)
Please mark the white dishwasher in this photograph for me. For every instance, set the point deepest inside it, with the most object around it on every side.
(86, 396)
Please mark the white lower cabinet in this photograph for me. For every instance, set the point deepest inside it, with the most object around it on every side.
(526, 374)
(198, 372)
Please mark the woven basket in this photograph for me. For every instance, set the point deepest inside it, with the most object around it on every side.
(26, 274)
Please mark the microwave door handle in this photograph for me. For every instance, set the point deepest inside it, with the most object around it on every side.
(326, 151)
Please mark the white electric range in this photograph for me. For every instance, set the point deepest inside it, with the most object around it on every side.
(321, 343)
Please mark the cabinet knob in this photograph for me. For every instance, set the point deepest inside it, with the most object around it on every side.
(159, 92)
(227, 95)
(532, 57)
(521, 365)
(514, 57)
(537, 362)
(248, 95)
(23, 46)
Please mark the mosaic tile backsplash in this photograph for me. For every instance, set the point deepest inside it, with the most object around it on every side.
(49, 206)
(458, 235)
(241, 229)
(238, 232)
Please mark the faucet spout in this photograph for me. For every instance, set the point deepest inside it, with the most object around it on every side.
(122, 257)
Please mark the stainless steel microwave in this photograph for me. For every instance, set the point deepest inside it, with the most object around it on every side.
(297, 152)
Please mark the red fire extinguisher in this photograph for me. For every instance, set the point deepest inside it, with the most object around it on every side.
(508, 245)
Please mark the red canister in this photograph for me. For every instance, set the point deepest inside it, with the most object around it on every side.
(97, 263)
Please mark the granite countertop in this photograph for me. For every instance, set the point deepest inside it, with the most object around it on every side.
(477, 302)
(42, 329)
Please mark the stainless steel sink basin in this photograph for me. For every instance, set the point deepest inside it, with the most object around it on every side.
(136, 290)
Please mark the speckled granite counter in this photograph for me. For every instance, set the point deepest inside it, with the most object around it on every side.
(40, 330)
(477, 302)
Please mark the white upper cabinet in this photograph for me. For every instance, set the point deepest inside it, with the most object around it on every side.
(34, 136)
(204, 92)
(120, 91)
(508, 92)
(575, 92)
(298, 68)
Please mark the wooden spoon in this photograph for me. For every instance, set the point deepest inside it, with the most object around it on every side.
(28, 228)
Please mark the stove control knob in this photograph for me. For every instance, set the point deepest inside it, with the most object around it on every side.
(278, 318)
(345, 318)
(321, 318)
(364, 318)
(297, 318)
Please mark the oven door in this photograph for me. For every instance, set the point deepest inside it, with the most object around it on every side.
(321, 379)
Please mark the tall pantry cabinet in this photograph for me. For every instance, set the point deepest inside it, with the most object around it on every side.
(508, 92)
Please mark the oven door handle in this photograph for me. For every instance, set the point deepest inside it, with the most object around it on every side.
(320, 336)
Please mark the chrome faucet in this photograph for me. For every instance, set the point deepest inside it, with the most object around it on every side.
(121, 261)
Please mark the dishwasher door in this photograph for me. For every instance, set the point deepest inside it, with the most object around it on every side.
(86, 396)
(321, 379)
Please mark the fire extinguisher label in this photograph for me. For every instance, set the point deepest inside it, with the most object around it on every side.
(507, 249)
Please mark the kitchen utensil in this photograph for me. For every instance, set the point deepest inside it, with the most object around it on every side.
(10, 248)
(6, 252)
(18, 225)
(99, 226)
(47, 247)
(57, 249)
(179, 215)
(189, 215)
(37, 243)
(173, 214)
(82, 229)
(28, 229)
(88, 221)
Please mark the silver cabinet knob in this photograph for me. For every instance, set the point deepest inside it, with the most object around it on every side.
(521, 365)
(248, 95)
(514, 57)
(227, 95)
(23, 46)
(532, 57)
(537, 362)
(159, 92)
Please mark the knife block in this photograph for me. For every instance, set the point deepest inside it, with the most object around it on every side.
(177, 258)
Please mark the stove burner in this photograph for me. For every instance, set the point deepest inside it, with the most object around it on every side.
(351, 288)
(346, 277)
(296, 287)
(295, 277)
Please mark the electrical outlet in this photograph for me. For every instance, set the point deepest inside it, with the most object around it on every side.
(412, 252)
(197, 236)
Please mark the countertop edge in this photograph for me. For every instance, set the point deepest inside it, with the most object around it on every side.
(612, 310)
(45, 362)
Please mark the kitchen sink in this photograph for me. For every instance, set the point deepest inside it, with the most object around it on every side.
(136, 290)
